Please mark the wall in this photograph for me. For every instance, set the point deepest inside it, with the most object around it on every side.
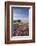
(35, 22)
(2, 24)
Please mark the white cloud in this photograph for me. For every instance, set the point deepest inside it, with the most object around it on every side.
(18, 16)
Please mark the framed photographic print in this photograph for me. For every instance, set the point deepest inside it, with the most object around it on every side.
(19, 22)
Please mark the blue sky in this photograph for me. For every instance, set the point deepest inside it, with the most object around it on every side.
(20, 13)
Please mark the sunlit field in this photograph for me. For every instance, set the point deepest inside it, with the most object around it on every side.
(20, 28)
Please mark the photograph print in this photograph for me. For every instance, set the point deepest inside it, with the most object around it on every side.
(20, 21)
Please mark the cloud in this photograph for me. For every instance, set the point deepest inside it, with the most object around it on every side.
(19, 17)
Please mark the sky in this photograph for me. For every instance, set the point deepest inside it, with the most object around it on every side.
(20, 13)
